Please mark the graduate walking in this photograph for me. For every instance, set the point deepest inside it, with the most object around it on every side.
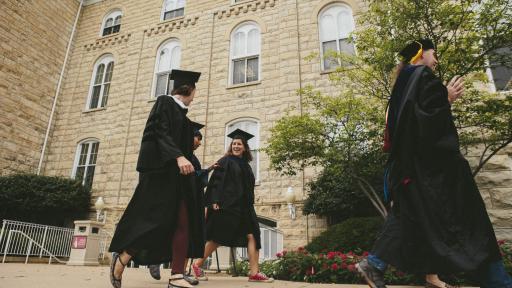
(438, 222)
(231, 219)
(161, 218)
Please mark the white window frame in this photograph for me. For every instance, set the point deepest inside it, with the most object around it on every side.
(245, 28)
(103, 60)
(254, 150)
(78, 153)
(266, 252)
(175, 7)
(111, 15)
(170, 45)
(333, 10)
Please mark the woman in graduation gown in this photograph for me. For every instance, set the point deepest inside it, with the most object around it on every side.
(160, 219)
(231, 218)
(438, 222)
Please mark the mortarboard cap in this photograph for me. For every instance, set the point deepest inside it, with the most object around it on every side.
(196, 127)
(182, 77)
(411, 52)
(241, 133)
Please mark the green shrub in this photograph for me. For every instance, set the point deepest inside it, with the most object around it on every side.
(42, 199)
(355, 234)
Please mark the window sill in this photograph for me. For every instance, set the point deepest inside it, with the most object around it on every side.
(171, 20)
(241, 2)
(108, 36)
(233, 86)
(94, 110)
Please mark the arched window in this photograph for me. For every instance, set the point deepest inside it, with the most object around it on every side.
(111, 23)
(100, 82)
(335, 25)
(245, 54)
(173, 9)
(167, 58)
(250, 126)
(85, 161)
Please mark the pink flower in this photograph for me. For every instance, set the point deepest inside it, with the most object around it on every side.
(279, 254)
(300, 249)
(350, 253)
(351, 267)
(365, 253)
(343, 266)
(284, 252)
(343, 256)
(334, 267)
(501, 242)
(331, 255)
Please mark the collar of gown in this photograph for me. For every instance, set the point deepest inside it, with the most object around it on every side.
(179, 102)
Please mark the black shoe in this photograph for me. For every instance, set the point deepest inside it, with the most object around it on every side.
(373, 276)
(191, 279)
(116, 283)
(154, 271)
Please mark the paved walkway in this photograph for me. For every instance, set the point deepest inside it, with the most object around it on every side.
(13, 275)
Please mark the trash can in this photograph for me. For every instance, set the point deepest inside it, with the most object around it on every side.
(85, 244)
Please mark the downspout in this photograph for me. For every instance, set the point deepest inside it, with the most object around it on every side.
(43, 150)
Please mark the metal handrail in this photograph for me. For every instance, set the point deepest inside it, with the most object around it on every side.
(32, 241)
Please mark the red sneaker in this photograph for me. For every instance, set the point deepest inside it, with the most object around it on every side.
(260, 277)
(199, 273)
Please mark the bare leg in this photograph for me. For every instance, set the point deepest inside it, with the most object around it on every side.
(254, 254)
(208, 250)
(434, 279)
(119, 268)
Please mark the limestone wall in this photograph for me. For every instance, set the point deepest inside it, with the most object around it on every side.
(33, 40)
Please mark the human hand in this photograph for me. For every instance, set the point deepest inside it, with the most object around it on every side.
(215, 206)
(455, 88)
(214, 166)
(184, 165)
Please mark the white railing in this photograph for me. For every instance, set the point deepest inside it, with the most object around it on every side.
(29, 247)
(50, 240)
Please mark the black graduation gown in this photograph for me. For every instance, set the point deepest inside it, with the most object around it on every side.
(232, 187)
(149, 221)
(438, 222)
(201, 179)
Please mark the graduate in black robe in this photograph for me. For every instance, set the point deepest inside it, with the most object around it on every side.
(161, 216)
(438, 222)
(231, 219)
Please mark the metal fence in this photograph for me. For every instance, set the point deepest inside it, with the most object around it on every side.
(17, 239)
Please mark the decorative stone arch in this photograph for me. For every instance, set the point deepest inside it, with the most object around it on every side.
(254, 19)
(319, 7)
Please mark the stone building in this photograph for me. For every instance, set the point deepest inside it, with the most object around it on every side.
(251, 56)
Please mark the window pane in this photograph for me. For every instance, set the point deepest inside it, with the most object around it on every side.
(161, 84)
(79, 175)
(170, 85)
(95, 96)
(273, 240)
(117, 21)
(109, 22)
(252, 69)
(347, 47)
(175, 57)
(253, 42)
(107, 31)
(254, 162)
(501, 69)
(327, 28)
(89, 176)
(84, 150)
(108, 75)
(329, 62)
(116, 28)
(181, 4)
(170, 5)
(174, 13)
(164, 61)
(99, 74)
(239, 44)
(238, 71)
(266, 244)
(345, 23)
(94, 153)
(106, 90)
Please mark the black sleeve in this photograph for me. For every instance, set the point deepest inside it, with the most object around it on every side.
(433, 114)
(158, 147)
(216, 184)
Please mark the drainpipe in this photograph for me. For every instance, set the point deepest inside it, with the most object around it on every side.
(43, 150)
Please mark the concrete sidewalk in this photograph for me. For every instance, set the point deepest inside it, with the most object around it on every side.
(14, 275)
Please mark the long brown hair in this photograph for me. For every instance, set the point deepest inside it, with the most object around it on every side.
(247, 151)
